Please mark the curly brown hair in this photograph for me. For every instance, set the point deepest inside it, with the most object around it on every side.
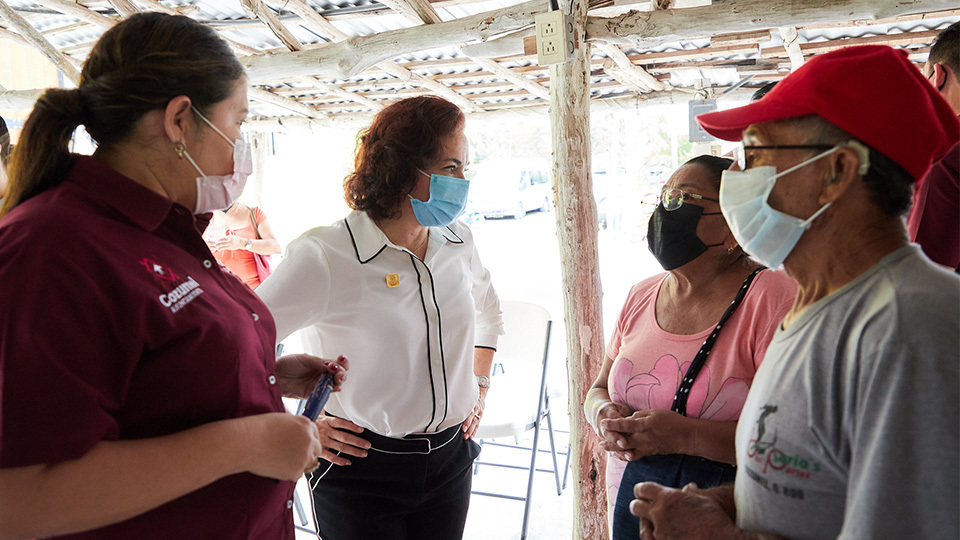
(402, 138)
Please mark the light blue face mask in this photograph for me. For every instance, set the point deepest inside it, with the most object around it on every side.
(767, 234)
(448, 198)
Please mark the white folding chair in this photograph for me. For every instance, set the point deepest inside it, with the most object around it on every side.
(512, 407)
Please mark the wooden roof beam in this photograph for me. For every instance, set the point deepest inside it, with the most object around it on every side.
(77, 11)
(508, 75)
(650, 29)
(611, 69)
(417, 11)
(629, 69)
(347, 58)
(292, 105)
(124, 7)
(893, 40)
(14, 37)
(258, 9)
(791, 42)
(741, 38)
(319, 24)
(19, 99)
(38, 42)
(335, 90)
(426, 82)
(312, 19)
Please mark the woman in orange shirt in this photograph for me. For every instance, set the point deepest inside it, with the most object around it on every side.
(239, 234)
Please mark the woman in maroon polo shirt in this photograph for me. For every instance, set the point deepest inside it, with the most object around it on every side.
(141, 397)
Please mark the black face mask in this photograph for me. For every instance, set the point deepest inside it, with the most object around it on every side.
(672, 235)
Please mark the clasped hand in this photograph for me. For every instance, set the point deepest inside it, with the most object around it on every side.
(631, 436)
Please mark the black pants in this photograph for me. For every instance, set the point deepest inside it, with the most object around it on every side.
(416, 488)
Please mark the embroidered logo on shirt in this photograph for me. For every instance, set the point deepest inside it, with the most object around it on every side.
(393, 280)
(182, 295)
(763, 450)
(158, 270)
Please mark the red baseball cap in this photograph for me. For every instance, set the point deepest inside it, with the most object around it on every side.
(872, 92)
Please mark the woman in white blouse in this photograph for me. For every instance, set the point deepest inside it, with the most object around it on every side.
(397, 287)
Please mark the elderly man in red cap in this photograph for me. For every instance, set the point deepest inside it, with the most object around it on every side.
(852, 425)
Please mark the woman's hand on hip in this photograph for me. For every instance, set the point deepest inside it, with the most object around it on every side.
(280, 445)
(472, 422)
(337, 439)
(644, 433)
(297, 374)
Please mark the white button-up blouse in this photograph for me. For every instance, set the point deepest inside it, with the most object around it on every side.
(408, 327)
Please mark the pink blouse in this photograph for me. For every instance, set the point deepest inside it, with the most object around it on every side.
(648, 362)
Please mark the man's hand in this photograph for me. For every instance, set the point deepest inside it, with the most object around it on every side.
(675, 514)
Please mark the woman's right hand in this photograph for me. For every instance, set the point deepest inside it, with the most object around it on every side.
(280, 445)
(610, 440)
(336, 440)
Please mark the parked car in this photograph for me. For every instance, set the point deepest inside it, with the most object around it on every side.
(510, 187)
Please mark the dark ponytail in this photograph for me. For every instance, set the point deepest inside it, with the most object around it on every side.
(137, 66)
(42, 157)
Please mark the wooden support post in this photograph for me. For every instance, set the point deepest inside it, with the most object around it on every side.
(253, 192)
(40, 43)
(577, 229)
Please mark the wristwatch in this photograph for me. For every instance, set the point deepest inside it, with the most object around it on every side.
(483, 381)
(248, 244)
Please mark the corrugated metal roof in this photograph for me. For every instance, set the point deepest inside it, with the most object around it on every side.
(718, 66)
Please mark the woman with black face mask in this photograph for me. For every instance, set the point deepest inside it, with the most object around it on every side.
(685, 348)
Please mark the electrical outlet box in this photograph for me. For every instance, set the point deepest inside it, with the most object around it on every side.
(554, 37)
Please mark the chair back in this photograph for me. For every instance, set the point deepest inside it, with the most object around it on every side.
(524, 342)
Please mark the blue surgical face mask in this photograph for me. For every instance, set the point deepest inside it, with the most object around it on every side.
(762, 231)
(448, 198)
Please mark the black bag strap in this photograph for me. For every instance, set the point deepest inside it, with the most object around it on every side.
(683, 392)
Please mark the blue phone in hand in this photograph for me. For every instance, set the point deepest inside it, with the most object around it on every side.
(318, 398)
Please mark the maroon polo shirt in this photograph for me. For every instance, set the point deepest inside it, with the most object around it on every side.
(934, 220)
(116, 322)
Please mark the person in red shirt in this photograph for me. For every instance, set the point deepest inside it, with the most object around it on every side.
(141, 396)
(934, 220)
(238, 236)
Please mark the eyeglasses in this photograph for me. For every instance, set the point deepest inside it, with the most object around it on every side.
(672, 199)
(745, 163)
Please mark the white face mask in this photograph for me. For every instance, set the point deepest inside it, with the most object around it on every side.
(219, 192)
(765, 233)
